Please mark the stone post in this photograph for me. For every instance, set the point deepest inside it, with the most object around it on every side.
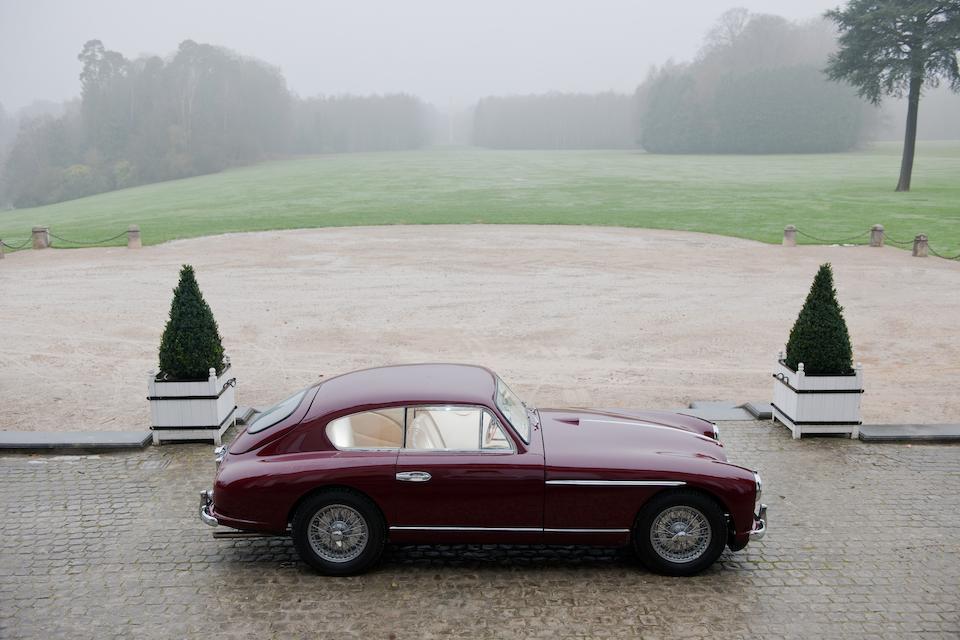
(41, 237)
(876, 235)
(920, 246)
(133, 237)
(790, 236)
(1, 248)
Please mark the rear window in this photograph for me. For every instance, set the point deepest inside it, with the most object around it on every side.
(278, 412)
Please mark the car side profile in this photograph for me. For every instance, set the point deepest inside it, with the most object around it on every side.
(447, 453)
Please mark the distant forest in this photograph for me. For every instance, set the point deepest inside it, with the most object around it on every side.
(202, 110)
(756, 86)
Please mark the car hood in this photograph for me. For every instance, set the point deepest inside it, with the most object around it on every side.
(577, 438)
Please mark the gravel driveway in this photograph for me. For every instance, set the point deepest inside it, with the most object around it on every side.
(568, 315)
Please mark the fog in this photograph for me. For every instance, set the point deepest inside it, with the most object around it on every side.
(446, 52)
(107, 95)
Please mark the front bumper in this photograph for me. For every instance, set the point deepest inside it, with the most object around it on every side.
(206, 502)
(759, 524)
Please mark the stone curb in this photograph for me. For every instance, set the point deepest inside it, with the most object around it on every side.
(910, 432)
(88, 440)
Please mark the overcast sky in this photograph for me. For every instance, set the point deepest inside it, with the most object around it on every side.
(446, 51)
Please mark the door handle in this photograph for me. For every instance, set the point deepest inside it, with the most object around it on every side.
(413, 476)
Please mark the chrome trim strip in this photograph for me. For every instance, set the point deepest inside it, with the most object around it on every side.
(509, 529)
(586, 530)
(620, 483)
(517, 529)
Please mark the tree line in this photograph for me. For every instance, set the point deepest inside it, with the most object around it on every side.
(201, 110)
(756, 86)
(760, 84)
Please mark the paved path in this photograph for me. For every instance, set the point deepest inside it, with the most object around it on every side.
(862, 543)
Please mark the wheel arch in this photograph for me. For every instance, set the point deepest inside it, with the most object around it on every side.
(333, 486)
(690, 488)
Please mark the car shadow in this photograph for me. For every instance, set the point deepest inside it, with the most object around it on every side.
(280, 552)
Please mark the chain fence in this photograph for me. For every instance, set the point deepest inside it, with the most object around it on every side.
(940, 255)
(85, 243)
(849, 240)
(903, 244)
(894, 241)
(16, 247)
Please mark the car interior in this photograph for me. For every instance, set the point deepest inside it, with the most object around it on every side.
(428, 428)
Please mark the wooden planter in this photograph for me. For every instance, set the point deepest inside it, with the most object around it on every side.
(192, 410)
(817, 404)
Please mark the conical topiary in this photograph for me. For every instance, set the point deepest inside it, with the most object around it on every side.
(819, 339)
(191, 343)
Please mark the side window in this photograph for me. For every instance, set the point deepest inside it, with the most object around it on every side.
(456, 428)
(379, 429)
(493, 435)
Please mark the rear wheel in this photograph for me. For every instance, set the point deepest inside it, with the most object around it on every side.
(680, 533)
(339, 532)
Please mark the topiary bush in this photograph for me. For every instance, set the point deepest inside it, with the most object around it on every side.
(820, 339)
(191, 342)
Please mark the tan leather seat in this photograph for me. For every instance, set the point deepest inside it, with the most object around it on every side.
(376, 429)
(423, 433)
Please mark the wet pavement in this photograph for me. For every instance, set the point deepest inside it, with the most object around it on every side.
(862, 543)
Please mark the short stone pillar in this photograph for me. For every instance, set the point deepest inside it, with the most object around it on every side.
(876, 235)
(41, 237)
(1, 248)
(920, 246)
(133, 237)
(790, 236)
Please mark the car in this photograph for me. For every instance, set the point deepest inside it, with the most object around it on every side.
(447, 453)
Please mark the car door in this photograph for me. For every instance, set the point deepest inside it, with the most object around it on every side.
(461, 470)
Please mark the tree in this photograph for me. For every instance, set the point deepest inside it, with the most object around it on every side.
(819, 339)
(191, 343)
(755, 87)
(889, 46)
(727, 30)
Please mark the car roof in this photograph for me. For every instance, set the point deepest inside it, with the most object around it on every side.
(405, 384)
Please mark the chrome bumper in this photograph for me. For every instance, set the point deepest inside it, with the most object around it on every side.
(759, 524)
(206, 500)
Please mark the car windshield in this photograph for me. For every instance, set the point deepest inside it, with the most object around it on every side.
(276, 413)
(513, 410)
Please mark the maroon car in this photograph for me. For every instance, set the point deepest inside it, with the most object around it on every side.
(434, 453)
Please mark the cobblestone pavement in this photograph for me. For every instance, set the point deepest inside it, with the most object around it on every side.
(862, 543)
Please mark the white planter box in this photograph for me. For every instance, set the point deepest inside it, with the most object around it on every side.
(194, 410)
(817, 404)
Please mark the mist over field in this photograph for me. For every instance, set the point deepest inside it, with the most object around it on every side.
(109, 95)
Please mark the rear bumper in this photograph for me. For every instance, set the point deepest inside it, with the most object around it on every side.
(759, 524)
(206, 502)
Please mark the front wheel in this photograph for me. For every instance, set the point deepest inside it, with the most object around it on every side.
(339, 532)
(680, 533)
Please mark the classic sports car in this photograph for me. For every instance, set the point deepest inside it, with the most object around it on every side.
(434, 453)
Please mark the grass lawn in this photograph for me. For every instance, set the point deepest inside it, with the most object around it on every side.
(831, 196)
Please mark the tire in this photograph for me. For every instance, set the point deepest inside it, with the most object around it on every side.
(656, 540)
(339, 532)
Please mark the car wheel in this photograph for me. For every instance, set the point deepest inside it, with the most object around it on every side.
(339, 532)
(680, 533)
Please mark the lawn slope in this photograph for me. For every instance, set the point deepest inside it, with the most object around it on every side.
(830, 196)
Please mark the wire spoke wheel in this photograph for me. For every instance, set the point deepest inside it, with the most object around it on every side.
(338, 533)
(680, 534)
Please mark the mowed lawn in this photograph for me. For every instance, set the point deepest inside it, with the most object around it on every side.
(830, 196)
